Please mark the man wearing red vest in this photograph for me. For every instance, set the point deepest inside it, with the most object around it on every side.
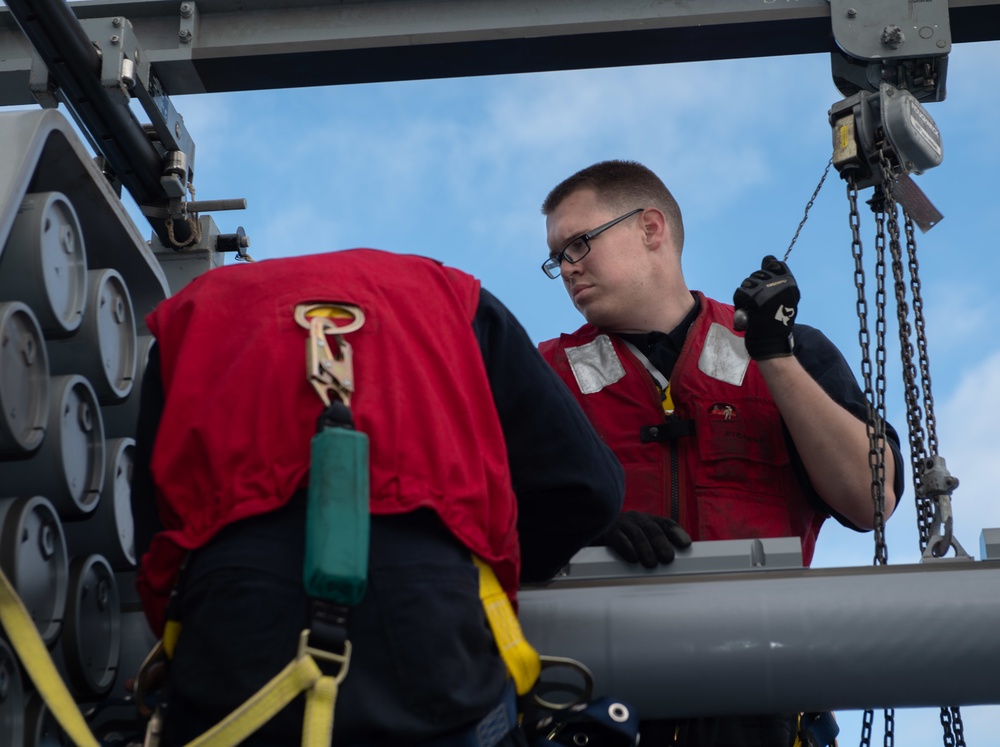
(722, 434)
(476, 449)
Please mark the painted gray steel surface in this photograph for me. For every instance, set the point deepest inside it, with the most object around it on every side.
(780, 641)
(105, 635)
(224, 45)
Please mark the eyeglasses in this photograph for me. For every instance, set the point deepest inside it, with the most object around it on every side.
(579, 247)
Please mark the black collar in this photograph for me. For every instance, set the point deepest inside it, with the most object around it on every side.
(661, 348)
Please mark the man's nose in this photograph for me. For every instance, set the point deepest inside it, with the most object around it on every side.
(569, 269)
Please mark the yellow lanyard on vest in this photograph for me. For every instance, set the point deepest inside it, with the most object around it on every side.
(668, 401)
(661, 381)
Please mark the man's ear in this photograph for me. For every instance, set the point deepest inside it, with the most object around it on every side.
(654, 227)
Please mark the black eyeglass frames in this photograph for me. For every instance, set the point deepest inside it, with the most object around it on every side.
(579, 247)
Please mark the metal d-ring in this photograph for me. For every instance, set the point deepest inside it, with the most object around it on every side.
(305, 311)
(581, 697)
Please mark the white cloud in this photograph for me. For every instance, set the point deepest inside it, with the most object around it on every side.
(967, 427)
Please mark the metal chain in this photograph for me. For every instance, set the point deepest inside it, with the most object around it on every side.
(956, 715)
(876, 429)
(875, 424)
(951, 718)
(866, 728)
(920, 327)
(876, 438)
(924, 504)
(911, 393)
(805, 215)
(949, 736)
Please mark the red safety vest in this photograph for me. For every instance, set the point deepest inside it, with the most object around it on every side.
(733, 478)
(239, 414)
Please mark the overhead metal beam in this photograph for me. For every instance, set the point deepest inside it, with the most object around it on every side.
(207, 46)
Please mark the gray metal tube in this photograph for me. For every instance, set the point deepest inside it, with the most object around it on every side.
(781, 641)
(74, 65)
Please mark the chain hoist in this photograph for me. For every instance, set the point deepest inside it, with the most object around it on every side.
(871, 133)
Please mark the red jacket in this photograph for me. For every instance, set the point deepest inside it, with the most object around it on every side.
(239, 414)
(733, 478)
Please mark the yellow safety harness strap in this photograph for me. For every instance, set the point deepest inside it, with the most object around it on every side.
(301, 674)
(171, 632)
(521, 659)
(24, 637)
(317, 727)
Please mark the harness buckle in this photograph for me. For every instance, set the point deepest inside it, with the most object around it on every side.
(330, 365)
(343, 660)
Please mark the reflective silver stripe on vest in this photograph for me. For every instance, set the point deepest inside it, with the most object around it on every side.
(724, 356)
(595, 365)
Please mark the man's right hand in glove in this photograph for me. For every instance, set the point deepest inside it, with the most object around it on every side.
(766, 304)
(644, 538)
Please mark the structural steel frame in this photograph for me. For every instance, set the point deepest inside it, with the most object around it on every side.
(208, 46)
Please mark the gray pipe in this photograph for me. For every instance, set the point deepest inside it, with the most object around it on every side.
(780, 641)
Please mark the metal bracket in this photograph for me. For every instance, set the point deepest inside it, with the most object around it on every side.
(898, 41)
(126, 73)
(189, 23)
(891, 29)
(713, 556)
(40, 83)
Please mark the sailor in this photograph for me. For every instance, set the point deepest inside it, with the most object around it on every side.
(722, 434)
(476, 451)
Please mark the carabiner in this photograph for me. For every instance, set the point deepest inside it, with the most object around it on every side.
(329, 362)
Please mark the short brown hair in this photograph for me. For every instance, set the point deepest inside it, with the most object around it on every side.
(624, 185)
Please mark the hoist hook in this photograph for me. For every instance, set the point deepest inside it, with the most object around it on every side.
(938, 483)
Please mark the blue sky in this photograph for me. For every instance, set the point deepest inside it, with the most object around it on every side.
(456, 169)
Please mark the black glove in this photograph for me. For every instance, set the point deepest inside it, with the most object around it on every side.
(766, 304)
(643, 538)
